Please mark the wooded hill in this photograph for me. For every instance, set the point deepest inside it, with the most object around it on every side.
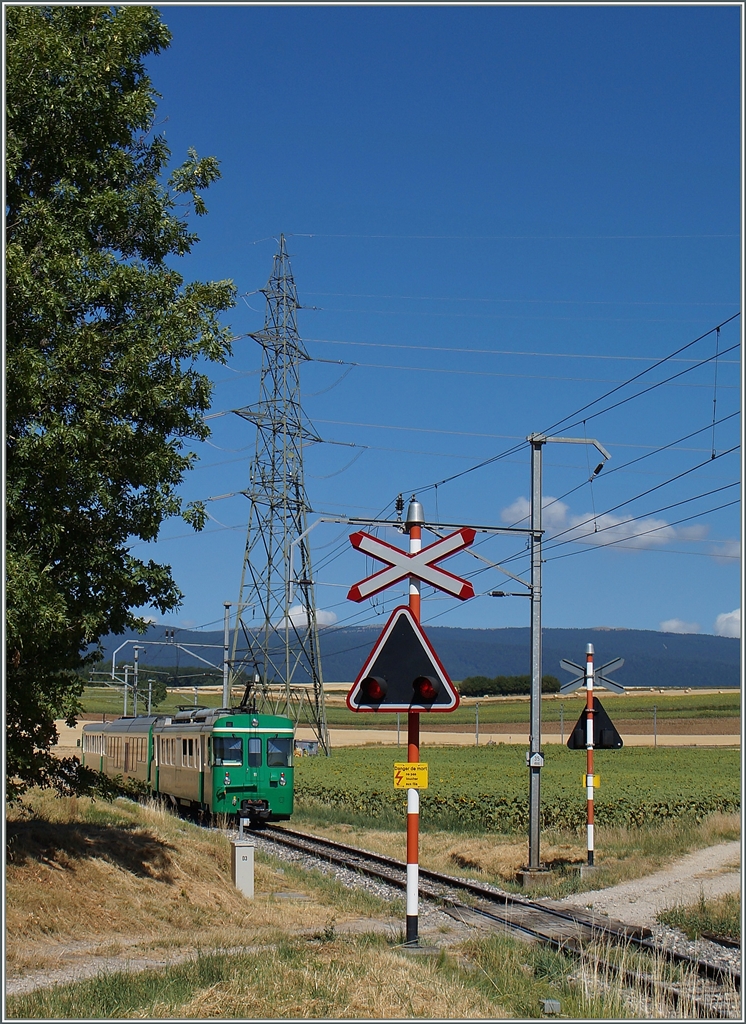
(651, 658)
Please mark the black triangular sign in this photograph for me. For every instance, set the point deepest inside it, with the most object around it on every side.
(605, 736)
(402, 672)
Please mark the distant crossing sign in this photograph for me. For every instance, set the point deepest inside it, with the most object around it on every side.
(420, 564)
(599, 679)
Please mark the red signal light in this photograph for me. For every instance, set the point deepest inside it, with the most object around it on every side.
(372, 690)
(425, 689)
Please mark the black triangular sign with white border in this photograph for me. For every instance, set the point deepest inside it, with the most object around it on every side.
(605, 735)
(401, 654)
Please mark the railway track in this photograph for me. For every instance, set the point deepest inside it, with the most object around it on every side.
(569, 930)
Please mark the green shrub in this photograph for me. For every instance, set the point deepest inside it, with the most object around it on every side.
(504, 686)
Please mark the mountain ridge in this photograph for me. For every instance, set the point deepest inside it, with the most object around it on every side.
(651, 658)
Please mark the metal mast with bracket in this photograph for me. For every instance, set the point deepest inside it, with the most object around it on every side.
(275, 639)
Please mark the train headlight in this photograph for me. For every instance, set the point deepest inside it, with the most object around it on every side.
(283, 780)
(227, 779)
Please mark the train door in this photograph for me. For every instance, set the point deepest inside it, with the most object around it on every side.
(254, 763)
(126, 756)
(280, 765)
(201, 763)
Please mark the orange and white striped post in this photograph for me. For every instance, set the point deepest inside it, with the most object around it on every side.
(589, 746)
(414, 521)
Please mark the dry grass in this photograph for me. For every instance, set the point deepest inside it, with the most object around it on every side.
(341, 980)
(621, 854)
(87, 877)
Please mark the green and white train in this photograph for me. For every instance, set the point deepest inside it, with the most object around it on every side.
(220, 761)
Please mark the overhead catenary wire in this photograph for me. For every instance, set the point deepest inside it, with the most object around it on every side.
(650, 490)
(715, 390)
(629, 540)
(653, 366)
(551, 541)
(632, 462)
(554, 427)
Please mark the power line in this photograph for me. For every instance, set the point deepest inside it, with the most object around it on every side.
(550, 302)
(506, 238)
(511, 316)
(493, 351)
(490, 373)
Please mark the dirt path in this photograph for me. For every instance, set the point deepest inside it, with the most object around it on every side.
(715, 870)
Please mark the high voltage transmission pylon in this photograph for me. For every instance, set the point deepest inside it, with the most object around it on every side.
(275, 640)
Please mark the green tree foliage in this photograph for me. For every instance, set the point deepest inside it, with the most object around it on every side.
(104, 344)
(505, 686)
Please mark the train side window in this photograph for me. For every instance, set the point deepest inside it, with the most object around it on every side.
(228, 750)
(255, 752)
(279, 751)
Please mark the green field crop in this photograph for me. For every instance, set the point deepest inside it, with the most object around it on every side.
(486, 788)
(506, 710)
(106, 700)
(631, 707)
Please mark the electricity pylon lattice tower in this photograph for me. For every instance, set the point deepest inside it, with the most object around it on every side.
(275, 640)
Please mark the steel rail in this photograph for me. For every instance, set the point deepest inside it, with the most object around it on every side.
(388, 867)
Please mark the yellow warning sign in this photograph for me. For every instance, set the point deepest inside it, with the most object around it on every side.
(410, 776)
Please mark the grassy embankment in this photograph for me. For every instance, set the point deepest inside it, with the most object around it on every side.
(715, 917)
(100, 881)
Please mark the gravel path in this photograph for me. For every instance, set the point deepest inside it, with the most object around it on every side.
(714, 871)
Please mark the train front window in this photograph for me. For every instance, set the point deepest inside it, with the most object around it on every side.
(279, 751)
(255, 752)
(228, 750)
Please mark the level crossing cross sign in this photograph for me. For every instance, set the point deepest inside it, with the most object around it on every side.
(403, 672)
(421, 564)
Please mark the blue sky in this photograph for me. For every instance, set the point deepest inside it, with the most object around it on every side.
(498, 214)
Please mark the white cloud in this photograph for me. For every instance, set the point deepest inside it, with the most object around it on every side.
(620, 530)
(298, 617)
(516, 513)
(727, 551)
(729, 623)
(678, 626)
